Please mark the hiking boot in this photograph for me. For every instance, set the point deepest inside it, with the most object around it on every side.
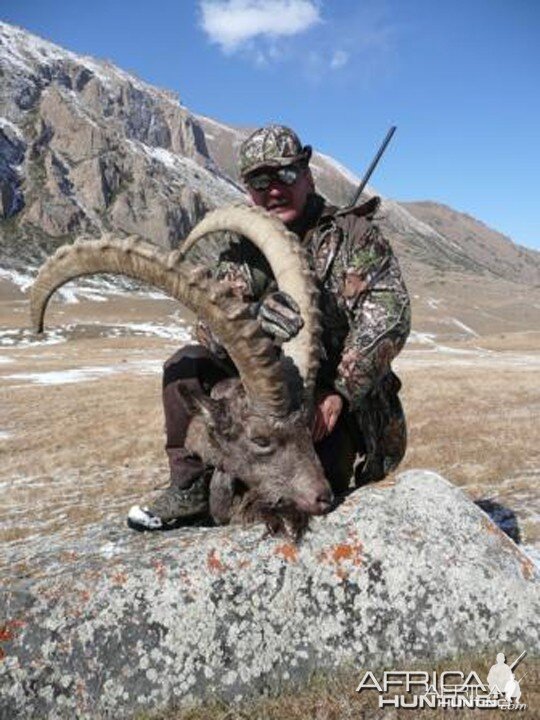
(174, 504)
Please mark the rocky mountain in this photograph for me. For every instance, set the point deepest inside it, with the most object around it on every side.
(86, 148)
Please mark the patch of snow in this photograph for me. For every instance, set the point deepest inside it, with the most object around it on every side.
(166, 332)
(422, 338)
(347, 174)
(5, 123)
(24, 51)
(70, 294)
(433, 303)
(155, 295)
(458, 351)
(86, 374)
(95, 290)
(109, 550)
(17, 338)
(67, 295)
(192, 174)
(464, 327)
(21, 280)
(219, 125)
(5, 360)
(93, 296)
(4, 435)
(24, 337)
(404, 220)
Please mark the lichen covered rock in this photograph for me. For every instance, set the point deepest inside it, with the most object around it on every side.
(399, 572)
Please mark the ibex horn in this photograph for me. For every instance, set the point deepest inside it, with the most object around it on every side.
(251, 351)
(290, 266)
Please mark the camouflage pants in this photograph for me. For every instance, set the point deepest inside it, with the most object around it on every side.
(366, 444)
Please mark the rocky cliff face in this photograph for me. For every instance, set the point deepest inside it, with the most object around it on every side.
(87, 148)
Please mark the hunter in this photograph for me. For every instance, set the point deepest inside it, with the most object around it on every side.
(359, 429)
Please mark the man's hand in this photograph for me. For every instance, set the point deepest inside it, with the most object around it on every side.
(279, 316)
(328, 407)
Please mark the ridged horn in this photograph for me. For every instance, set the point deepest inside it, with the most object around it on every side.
(290, 266)
(251, 351)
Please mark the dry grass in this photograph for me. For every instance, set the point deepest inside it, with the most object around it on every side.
(335, 698)
(75, 454)
(72, 450)
(476, 420)
(473, 426)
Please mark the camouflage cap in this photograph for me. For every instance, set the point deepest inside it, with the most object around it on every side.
(271, 146)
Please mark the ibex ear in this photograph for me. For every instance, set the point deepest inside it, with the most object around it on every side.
(198, 403)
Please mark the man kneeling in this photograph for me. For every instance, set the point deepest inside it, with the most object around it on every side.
(359, 427)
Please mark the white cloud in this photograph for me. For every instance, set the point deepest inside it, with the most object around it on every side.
(232, 23)
(339, 59)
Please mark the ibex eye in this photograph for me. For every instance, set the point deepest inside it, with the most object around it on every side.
(262, 442)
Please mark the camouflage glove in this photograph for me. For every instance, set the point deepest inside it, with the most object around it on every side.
(279, 316)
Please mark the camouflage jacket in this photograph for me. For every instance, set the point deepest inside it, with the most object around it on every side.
(364, 302)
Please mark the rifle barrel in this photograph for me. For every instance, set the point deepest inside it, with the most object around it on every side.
(373, 165)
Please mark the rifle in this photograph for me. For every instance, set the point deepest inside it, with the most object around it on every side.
(373, 165)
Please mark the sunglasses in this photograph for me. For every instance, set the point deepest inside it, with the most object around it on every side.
(286, 176)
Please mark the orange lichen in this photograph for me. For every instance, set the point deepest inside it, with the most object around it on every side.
(120, 578)
(287, 551)
(343, 552)
(527, 568)
(491, 527)
(6, 630)
(5, 633)
(160, 569)
(389, 481)
(213, 561)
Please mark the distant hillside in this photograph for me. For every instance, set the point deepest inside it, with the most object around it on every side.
(486, 246)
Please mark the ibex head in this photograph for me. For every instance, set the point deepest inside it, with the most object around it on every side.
(255, 428)
(272, 455)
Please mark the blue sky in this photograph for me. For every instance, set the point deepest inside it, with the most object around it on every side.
(461, 80)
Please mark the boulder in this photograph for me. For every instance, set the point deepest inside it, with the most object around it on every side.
(401, 571)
